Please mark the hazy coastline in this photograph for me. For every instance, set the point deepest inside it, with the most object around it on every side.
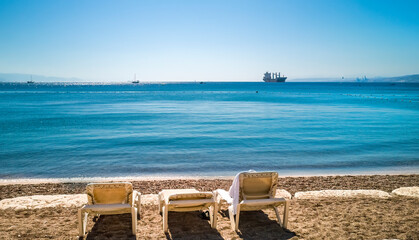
(23, 78)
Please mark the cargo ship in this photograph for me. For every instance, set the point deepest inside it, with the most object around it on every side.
(274, 77)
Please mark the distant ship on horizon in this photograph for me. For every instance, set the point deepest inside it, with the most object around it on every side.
(274, 77)
(30, 81)
(135, 79)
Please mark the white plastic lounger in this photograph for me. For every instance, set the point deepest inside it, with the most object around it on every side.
(186, 200)
(110, 199)
(255, 191)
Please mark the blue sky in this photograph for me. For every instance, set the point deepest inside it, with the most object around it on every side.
(209, 40)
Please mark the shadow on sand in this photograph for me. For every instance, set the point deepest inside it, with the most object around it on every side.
(258, 225)
(188, 225)
(111, 227)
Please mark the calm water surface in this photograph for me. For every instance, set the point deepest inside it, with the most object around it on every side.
(211, 129)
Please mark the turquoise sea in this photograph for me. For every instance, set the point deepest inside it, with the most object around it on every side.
(211, 129)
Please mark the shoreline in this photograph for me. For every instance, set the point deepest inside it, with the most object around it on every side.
(13, 181)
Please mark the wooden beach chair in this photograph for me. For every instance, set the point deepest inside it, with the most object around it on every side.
(186, 200)
(256, 192)
(110, 199)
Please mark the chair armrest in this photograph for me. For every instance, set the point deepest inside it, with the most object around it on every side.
(89, 198)
(222, 194)
(136, 197)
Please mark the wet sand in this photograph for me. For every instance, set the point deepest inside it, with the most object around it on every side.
(335, 218)
(291, 184)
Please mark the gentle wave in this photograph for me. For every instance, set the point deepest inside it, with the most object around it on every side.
(211, 129)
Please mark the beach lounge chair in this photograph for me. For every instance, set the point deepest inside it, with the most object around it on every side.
(252, 191)
(185, 200)
(110, 199)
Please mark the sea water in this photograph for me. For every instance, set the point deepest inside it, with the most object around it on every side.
(210, 129)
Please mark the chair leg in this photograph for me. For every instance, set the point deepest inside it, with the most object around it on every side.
(214, 216)
(218, 200)
(277, 216)
(286, 209)
(134, 220)
(165, 220)
(160, 203)
(231, 216)
(139, 206)
(82, 216)
(211, 215)
(237, 218)
(80, 227)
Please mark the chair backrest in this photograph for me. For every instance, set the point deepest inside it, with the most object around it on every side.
(109, 193)
(257, 185)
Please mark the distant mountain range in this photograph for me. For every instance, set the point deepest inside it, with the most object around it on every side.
(17, 77)
(407, 78)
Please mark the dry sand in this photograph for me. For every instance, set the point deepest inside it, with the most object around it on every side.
(406, 191)
(335, 218)
(341, 194)
(42, 201)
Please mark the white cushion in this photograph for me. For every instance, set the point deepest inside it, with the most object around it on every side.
(104, 208)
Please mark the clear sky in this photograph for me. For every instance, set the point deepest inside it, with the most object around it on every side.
(201, 40)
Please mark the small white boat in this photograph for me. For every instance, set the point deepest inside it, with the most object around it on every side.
(30, 81)
(135, 79)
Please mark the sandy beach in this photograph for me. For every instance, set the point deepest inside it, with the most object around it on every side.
(354, 217)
